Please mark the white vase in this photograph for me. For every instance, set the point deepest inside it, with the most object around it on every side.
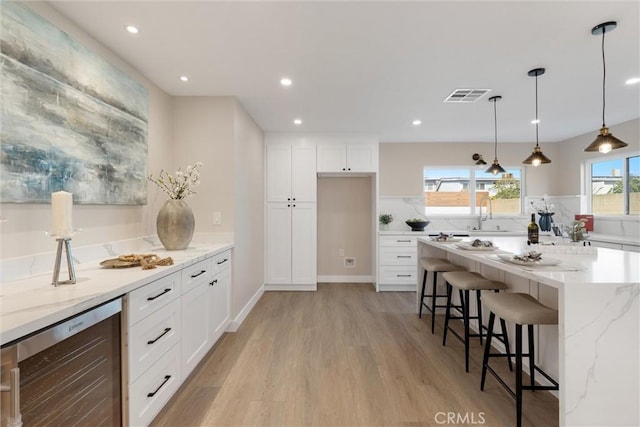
(175, 224)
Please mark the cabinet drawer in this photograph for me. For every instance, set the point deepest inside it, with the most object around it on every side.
(398, 256)
(221, 261)
(149, 394)
(147, 299)
(195, 274)
(398, 275)
(399, 241)
(152, 337)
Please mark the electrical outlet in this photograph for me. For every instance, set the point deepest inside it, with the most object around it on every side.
(340, 252)
(349, 262)
(217, 218)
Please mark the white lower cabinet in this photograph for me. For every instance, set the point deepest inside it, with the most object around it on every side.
(397, 263)
(171, 325)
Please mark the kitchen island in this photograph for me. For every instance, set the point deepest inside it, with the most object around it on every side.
(594, 352)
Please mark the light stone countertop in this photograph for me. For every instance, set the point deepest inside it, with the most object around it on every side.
(30, 304)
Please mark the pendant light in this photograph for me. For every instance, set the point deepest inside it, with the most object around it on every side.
(536, 158)
(495, 167)
(605, 141)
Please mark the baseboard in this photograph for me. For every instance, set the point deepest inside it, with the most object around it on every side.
(345, 279)
(235, 323)
(396, 288)
(311, 287)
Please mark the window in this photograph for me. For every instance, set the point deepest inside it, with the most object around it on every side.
(615, 186)
(460, 190)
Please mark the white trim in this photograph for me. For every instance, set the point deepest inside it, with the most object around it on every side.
(345, 279)
(309, 287)
(396, 288)
(235, 323)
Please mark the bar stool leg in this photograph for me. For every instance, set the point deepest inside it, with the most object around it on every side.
(447, 314)
(479, 309)
(433, 301)
(487, 348)
(424, 283)
(519, 375)
(466, 328)
(503, 325)
(532, 369)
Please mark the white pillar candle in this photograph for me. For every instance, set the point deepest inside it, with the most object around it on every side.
(61, 220)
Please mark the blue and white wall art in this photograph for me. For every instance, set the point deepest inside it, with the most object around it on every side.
(69, 120)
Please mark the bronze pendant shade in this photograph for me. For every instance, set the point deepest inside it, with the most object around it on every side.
(537, 157)
(605, 141)
(495, 168)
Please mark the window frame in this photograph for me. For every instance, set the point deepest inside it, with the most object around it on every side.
(625, 185)
(472, 185)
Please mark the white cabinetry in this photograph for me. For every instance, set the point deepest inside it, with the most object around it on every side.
(291, 214)
(398, 263)
(172, 323)
(347, 157)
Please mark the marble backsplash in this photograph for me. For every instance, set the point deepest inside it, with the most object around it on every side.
(22, 267)
(564, 208)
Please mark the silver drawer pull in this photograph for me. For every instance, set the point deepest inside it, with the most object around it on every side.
(193, 276)
(153, 393)
(403, 241)
(226, 259)
(403, 256)
(403, 275)
(166, 331)
(159, 295)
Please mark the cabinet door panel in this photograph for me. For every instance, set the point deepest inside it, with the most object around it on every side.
(278, 172)
(195, 327)
(332, 157)
(219, 304)
(362, 158)
(303, 244)
(303, 173)
(278, 243)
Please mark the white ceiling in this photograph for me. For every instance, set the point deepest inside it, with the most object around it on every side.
(374, 67)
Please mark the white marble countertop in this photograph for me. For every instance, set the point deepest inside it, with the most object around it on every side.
(624, 240)
(30, 304)
(608, 266)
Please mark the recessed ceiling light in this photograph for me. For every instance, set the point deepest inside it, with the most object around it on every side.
(184, 78)
(417, 122)
(535, 121)
(297, 122)
(285, 81)
(132, 29)
(633, 81)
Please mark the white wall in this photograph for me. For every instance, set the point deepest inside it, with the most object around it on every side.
(23, 232)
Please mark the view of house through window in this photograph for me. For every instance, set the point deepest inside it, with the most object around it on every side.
(462, 190)
(615, 186)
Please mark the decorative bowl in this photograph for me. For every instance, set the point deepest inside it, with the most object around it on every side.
(417, 225)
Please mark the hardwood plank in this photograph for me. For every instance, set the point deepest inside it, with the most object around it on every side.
(345, 356)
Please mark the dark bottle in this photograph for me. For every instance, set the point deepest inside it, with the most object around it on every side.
(532, 230)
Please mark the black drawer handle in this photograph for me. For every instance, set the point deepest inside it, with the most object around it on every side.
(224, 260)
(213, 282)
(403, 275)
(159, 295)
(403, 256)
(166, 330)
(403, 241)
(166, 378)
(193, 276)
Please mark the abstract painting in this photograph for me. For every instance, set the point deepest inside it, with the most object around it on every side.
(69, 120)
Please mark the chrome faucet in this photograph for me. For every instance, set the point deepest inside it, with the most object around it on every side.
(489, 215)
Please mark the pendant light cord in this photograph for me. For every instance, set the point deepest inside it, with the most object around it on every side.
(495, 127)
(604, 76)
(537, 110)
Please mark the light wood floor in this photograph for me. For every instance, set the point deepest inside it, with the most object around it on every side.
(345, 356)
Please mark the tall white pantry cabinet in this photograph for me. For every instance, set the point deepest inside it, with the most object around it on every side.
(291, 187)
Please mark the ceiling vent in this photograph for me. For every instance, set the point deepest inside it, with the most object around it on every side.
(466, 95)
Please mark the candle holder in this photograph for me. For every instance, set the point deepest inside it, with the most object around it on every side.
(63, 242)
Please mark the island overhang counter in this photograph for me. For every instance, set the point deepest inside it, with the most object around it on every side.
(594, 352)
